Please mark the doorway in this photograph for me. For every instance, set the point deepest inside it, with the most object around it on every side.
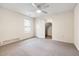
(48, 30)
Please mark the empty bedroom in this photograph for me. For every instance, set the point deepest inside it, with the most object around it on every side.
(39, 29)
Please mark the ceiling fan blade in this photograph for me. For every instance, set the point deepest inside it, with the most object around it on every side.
(34, 5)
(44, 11)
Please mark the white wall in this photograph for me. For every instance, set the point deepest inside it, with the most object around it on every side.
(63, 27)
(76, 24)
(12, 25)
(40, 28)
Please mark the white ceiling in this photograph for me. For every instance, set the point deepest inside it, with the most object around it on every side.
(29, 10)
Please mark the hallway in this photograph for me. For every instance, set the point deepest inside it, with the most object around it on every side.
(48, 30)
(38, 47)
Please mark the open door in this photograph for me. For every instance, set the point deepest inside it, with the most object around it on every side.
(48, 30)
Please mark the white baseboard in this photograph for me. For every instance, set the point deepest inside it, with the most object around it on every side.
(9, 41)
(12, 41)
(68, 42)
(62, 41)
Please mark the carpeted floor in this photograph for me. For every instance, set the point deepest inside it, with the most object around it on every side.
(39, 47)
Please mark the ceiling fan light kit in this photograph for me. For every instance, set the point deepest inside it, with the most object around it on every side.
(40, 7)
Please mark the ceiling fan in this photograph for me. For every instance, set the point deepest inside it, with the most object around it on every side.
(40, 7)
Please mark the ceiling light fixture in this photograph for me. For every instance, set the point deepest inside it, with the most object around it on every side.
(38, 11)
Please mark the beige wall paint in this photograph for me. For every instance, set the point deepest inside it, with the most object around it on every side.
(76, 25)
(63, 27)
(12, 25)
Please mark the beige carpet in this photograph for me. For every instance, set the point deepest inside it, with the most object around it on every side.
(39, 47)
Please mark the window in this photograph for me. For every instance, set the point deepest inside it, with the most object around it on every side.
(27, 26)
